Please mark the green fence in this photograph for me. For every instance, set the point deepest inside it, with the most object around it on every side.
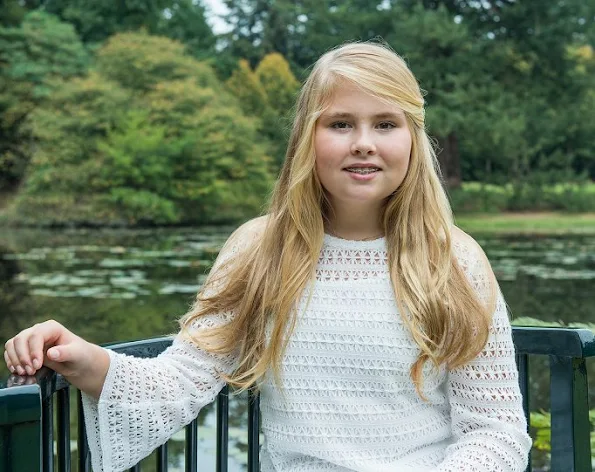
(28, 424)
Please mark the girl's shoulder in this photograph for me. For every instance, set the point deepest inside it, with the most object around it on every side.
(468, 252)
(245, 236)
(238, 245)
(249, 231)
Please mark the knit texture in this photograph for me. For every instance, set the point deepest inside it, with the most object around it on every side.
(347, 402)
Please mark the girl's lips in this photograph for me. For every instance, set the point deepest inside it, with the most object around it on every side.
(362, 177)
(361, 166)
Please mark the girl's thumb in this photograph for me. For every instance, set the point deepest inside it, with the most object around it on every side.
(58, 354)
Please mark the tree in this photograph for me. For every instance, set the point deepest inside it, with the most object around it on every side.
(138, 61)
(185, 21)
(278, 82)
(12, 12)
(245, 85)
(299, 30)
(97, 20)
(170, 147)
(268, 95)
(35, 54)
(420, 34)
(529, 45)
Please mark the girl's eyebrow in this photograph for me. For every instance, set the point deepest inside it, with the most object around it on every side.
(378, 116)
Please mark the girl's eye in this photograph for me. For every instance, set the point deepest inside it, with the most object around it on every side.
(386, 125)
(340, 125)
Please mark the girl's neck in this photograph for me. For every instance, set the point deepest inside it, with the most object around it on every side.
(354, 223)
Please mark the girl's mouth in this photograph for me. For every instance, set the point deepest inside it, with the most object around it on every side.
(362, 170)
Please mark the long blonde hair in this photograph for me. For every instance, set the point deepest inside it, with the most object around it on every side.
(262, 284)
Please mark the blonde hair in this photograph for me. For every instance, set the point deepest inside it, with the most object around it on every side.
(261, 284)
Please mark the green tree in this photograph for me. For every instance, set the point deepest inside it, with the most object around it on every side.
(185, 21)
(256, 100)
(97, 20)
(12, 12)
(245, 85)
(138, 61)
(171, 147)
(278, 82)
(299, 30)
(33, 55)
(528, 45)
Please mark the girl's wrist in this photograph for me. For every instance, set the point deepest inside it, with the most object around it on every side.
(91, 376)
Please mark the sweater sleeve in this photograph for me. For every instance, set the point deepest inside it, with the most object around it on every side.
(488, 423)
(145, 401)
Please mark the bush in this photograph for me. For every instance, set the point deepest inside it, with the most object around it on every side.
(541, 423)
(475, 197)
(62, 210)
(572, 197)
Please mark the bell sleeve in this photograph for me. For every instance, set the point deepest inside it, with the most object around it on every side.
(489, 428)
(145, 401)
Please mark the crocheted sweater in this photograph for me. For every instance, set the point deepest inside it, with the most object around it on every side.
(348, 402)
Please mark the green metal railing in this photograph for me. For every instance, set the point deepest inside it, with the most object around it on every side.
(28, 426)
(568, 350)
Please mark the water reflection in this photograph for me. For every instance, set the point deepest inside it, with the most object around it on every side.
(15, 300)
(549, 278)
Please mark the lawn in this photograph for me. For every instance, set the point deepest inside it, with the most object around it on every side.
(528, 223)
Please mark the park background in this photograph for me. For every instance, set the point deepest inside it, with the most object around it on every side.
(136, 135)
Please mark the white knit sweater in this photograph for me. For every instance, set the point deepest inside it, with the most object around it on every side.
(349, 403)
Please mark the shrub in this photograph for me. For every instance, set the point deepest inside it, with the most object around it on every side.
(475, 197)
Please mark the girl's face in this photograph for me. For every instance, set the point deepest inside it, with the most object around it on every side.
(362, 147)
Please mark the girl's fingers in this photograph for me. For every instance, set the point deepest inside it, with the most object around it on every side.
(12, 356)
(8, 362)
(24, 352)
(36, 345)
(21, 347)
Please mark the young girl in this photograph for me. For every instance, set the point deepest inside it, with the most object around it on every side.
(372, 326)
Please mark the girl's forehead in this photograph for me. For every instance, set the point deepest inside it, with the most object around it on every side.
(351, 97)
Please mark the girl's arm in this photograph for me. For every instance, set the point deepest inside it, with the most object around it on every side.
(145, 401)
(488, 422)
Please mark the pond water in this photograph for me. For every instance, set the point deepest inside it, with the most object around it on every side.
(116, 285)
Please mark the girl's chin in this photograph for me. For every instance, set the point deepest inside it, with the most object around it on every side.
(358, 200)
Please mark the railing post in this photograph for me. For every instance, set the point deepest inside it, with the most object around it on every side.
(20, 429)
(84, 460)
(571, 446)
(192, 447)
(222, 429)
(522, 362)
(64, 462)
(47, 431)
(253, 431)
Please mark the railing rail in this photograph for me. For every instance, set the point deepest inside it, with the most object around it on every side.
(27, 418)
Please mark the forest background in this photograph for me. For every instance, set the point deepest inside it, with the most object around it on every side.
(137, 113)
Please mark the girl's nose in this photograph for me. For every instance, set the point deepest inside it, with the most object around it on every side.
(363, 146)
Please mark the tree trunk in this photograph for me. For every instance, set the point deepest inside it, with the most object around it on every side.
(450, 161)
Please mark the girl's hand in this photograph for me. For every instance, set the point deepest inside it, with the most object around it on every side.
(51, 344)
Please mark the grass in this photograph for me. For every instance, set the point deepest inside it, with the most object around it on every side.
(528, 223)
